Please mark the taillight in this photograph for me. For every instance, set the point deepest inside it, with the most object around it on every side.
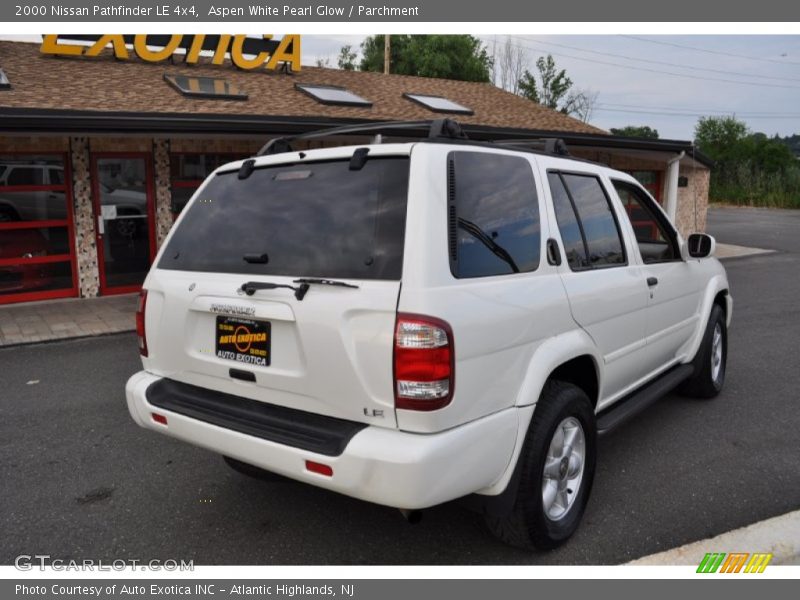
(140, 332)
(424, 366)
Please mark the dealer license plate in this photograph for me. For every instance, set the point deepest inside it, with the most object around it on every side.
(244, 341)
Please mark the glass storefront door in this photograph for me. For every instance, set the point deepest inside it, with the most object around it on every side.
(37, 250)
(124, 216)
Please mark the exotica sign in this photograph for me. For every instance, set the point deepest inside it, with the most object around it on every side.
(244, 52)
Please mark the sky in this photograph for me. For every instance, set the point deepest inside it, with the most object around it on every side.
(665, 82)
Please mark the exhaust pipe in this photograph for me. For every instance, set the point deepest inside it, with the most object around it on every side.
(412, 516)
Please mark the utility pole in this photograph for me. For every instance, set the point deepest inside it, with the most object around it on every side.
(387, 53)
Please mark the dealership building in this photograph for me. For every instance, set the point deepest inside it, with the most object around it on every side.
(102, 145)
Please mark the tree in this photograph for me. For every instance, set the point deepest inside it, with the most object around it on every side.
(347, 58)
(509, 66)
(550, 86)
(324, 63)
(581, 104)
(553, 88)
(639, 131)
(461, 57)
(717, 136)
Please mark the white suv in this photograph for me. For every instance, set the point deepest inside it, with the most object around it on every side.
(411, 323)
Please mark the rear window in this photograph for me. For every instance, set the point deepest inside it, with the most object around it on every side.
(309, 219)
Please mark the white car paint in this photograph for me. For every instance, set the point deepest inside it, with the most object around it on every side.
(511, 332)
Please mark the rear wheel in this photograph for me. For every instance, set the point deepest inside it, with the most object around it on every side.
(711, 359)
(558, 463)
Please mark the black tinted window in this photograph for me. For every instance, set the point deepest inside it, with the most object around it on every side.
(494, 215)
(315, 220)
(603, 239)
(567, 224)
(26, 176)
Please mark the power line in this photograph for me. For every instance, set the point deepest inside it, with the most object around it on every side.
(707, 51)
(660, 72)
(701, 110)
(659, 62)
(680, 114)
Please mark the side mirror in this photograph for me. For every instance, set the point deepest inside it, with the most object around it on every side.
(701, 245)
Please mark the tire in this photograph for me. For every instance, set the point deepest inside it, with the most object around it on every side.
(533, 523)
(710, 362)
(252, 470)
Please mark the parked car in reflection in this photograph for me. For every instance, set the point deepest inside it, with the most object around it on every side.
(22, 244)
(31, 205)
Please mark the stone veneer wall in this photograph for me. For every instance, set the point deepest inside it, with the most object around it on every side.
(161, 149)
(693, 201)
(83, 216)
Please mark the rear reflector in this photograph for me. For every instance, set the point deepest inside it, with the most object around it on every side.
(140, 331)
(423, 362)
(316, 467)
(159, 418)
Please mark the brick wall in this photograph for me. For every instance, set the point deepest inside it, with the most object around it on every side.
(121, 144)
(10, 144)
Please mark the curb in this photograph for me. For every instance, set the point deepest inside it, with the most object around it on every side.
(779, 536)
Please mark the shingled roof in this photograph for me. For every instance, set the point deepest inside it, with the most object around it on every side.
(104, 84)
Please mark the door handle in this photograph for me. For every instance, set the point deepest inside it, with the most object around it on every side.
(652, 281)
(553, 253)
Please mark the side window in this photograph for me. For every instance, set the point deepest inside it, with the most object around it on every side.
(591, 209)
(493, 215)
(25, 176)
(56, 176)
(568, 224)
(656, 241)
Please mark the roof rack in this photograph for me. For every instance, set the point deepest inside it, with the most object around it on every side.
(555, 146)
(437, 129)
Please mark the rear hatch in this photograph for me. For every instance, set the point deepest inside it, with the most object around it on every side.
(321, 347)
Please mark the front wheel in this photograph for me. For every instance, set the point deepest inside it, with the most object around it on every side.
(711, 359)
(558, 464)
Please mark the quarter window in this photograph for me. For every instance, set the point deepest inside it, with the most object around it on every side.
(591, 210)
(493, 216)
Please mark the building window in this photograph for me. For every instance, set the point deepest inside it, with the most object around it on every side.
(189, 170)
(493, 215)
(36, 236)
(205, 87)
(651, 181)
(439, 104)
(4, 82)
(330, 94)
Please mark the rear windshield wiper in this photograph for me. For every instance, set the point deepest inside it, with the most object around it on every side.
(480, 235)
(308, 280)
(251, 287)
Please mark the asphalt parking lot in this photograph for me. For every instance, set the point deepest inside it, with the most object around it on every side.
(80, 480)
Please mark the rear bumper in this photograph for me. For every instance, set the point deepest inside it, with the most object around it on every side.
(385, 466)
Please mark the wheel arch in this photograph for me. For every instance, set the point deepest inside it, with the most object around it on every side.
(570, 357)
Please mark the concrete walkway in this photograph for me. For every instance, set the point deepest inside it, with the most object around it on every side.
(59, 319)
(779, 536)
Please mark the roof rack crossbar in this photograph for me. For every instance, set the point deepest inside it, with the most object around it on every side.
(548, 145)
(438, 128)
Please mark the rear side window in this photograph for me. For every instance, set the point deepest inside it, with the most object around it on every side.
(493, 215)
(592, 212)
(308, 220)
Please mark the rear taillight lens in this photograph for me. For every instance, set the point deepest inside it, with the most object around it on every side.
(424, 371)
(140, 332)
